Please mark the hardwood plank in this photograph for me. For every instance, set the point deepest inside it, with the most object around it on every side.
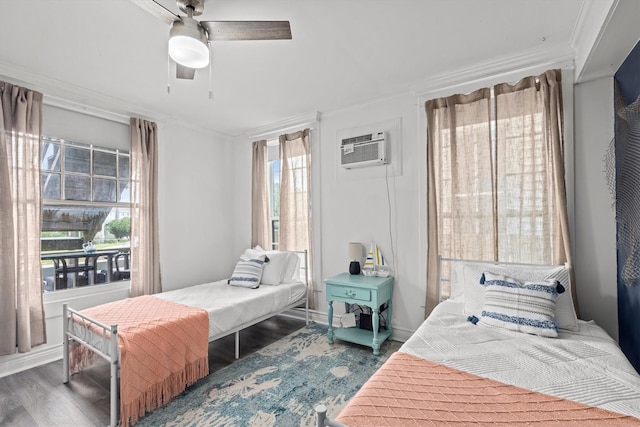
(12, 413)
(37, 397)
(82, 391)
(252, 339)
(44, 403)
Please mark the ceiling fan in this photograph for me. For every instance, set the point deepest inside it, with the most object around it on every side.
(189, 39)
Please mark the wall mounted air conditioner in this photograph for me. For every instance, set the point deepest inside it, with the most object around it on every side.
(367, 149)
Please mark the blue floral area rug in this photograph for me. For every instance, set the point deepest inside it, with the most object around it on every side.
(279, 385)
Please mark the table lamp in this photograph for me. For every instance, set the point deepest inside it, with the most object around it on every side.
(354, 252)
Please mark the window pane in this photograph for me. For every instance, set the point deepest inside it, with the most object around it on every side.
(104, 190)
(118, 225)
(104, 164)
(274, 187)
(77, 187)
(275, 232)
(123, 167)
(51, 186)
(65, 228)
(88, 178)
(85, 221)
(77, 160)
(125, 195)
(50, 156)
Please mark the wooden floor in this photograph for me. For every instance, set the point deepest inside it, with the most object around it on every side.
(37, 397)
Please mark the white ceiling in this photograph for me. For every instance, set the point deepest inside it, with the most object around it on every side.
(111, 54)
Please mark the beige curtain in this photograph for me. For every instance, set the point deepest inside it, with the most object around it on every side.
(460, 183)
(260, 224)
(506, 203)
(295, 197)
(145, 253)
(22, 322)
(532, 203)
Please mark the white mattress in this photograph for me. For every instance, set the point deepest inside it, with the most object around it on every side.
(231, 307)
(585, 366)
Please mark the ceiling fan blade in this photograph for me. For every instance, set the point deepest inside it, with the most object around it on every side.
(247, 30)
(183, 72)
(157, 10)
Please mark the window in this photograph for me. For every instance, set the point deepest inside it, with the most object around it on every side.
(283, 173)
(297, 182)
(86, 195)
(497, 188)
(274, 201)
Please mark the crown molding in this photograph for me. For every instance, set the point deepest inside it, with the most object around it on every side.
(616, 31)
(274, 129)
(65, 104)
(507, 69)
(66, 95)
(504, 69)
(580, 26)
(593, 20)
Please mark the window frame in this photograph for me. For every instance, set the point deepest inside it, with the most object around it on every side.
(273, 190)
(121, 179)
(507, 213)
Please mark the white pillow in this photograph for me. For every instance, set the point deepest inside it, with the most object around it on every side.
(285, 267)
(474, 292)
(292, 270)
(248, 272)
(528, 307)
(456, 282)
(274, 267)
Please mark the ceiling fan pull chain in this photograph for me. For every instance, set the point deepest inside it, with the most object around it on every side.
(168, 75)
(210, 70)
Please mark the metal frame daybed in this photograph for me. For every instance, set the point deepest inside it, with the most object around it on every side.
(102, 339)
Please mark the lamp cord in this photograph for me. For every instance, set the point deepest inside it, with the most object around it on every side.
(393, 252)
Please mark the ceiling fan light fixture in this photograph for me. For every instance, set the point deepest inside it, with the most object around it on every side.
(188, 43)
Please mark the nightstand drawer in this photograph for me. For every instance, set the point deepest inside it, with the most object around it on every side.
(365, 291)
(350, 293)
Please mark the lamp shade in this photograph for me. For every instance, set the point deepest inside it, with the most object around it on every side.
(188, 43)
(354, 251)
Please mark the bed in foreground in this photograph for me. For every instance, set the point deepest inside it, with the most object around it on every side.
(463, 367)
(161, 341)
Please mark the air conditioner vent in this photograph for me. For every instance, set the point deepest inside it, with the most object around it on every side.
(367, 149)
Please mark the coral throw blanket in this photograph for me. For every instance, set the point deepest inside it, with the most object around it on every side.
(163, 349)
(409, 391)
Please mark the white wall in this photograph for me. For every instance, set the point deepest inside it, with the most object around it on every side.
(197, 222)
(354, 202)
(197, 228)
(242, 202)
(595, 230)
(205, 200)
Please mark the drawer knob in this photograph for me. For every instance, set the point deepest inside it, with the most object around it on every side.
(350, 292)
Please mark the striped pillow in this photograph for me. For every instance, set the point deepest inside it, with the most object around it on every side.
(248, 272)
(524, 307)
(474, 292)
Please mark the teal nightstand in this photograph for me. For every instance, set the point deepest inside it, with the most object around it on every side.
(363, 290)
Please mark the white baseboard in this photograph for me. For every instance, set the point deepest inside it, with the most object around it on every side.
(23, 361)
